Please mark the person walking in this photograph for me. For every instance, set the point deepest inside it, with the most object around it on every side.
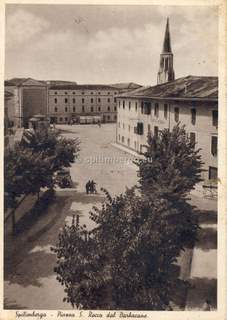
(88, 186)
(93, 187)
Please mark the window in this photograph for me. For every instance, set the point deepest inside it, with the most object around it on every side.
(129, 105)
(213, 173)
(214, 145)
(74, 100)
(128, 142)
(108, 117)
(91, 100)
(215, 118)
(165, 110)
(115, 99)
(108, 100)
(55, 92)
(66, 119)
(55, 100)
(156, 110)
(66, 93)
(115, 92)
(142, 107)
(129, 128)
(82, 108)
(108, 108)
(136, 106)
(74, 109)
(73, 92)
(115, 108)
(149, 128)
(139, 128)
(66, 109)
(119, 137)
(91, 92)
(92, 109)
(99, 100)
(60, 119)
(176, 114)
(82, 100)
(122, 139)
(99, 92)
(99, 109)
(193, 116)
(82, 92)
(56, 109)
(192, 137)
(66, 100)
(123, 104)
(115, 117)
(108, 92)
(147, 108)
(155, 131)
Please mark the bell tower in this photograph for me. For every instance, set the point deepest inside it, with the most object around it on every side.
(166, 71)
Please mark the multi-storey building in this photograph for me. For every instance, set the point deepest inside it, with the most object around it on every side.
(66, 103)
(30, 98)
(191, 101)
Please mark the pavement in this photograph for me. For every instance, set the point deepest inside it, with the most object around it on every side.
(203, 272)
(29, 262)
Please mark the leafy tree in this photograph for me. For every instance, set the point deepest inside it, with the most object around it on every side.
(172, 164)
(30, 167)
(127, 262)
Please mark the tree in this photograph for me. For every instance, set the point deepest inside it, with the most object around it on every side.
(129, 260)
(171, 166)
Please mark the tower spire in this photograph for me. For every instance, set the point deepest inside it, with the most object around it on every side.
(167, 43)
(166, 71)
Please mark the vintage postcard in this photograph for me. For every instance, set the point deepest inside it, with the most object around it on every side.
(114, 143)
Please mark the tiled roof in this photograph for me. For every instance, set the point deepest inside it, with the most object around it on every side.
(126, 85)
(186, 88)
(59, 82)
(23, 81)
(82, 87)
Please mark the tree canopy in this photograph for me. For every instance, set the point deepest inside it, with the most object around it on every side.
(30, 167)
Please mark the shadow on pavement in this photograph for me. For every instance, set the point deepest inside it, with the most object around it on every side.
(207, 239)
(202, 289)
(207, 217)
(11, 305)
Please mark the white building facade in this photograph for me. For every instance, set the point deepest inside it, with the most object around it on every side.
(190, 101)
(66, 103)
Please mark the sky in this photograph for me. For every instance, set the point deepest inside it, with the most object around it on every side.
(108, 44)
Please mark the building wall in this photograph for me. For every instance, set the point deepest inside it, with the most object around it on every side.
(67, 104)
(13, 106)
(129, 115)
(34, 101)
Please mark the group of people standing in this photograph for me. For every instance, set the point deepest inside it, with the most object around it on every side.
(90, 187)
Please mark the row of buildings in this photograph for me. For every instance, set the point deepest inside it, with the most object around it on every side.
(61, 101)
(191, 101)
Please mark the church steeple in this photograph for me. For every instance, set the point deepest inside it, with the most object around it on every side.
(166, 71)
(167, 43)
